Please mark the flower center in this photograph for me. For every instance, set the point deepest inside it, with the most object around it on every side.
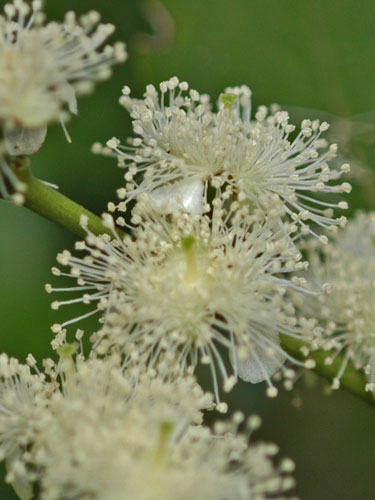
(165, 431)
(66, 353)
(191, 275)
(228, 100)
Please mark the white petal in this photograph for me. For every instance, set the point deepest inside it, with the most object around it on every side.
(262, 363)
(185, 195)
(24, 141)
(66, 93)
(21, 484)
(23, 488)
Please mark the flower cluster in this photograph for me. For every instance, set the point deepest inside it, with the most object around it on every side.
(43, 68)
(201, 261)
(214, 208)
(217, 203)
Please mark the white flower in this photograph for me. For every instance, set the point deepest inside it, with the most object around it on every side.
(44, 66)
(179, 139)
(101, 420)
(105, 433)
(108, 438)
(47, 429)
(182, 287)
(185, 195)
(347, 268)
(208, 465)
(21, 404)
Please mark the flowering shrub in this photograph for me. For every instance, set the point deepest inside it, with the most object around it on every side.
(226, 247)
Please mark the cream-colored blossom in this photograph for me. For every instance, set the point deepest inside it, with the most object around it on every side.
(102, 419)
(180, 140)
(184, 287)
(101, 432)
(43, 67)
(56, 433)
(195, 462)
(22, 397)
(347, 268)
(106, 437)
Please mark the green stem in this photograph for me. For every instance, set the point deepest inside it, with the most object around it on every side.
(352, 380)
(56, 207)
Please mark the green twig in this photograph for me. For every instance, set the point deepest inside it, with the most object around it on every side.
(58, 208)
(352, 380)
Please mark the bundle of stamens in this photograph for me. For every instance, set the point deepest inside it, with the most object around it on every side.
(184, 285)
(102, 436)
(346, 312)
(43, 68)
(22, 402)
(183, 147)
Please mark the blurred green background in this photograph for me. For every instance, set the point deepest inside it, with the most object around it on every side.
(316, 59)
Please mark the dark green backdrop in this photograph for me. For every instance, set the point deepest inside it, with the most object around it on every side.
(317, 59)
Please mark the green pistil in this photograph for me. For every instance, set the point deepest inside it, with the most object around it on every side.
(188, 245)
(228, 100)
(66, 352)
(165, 431)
